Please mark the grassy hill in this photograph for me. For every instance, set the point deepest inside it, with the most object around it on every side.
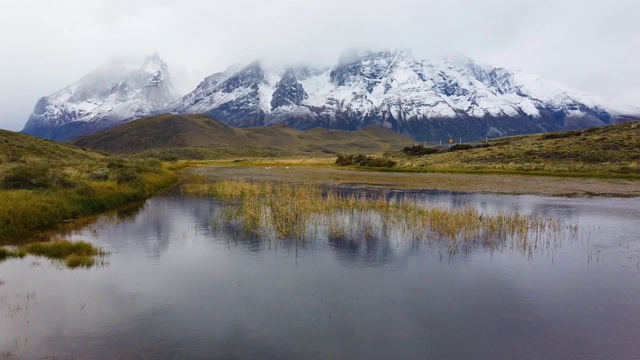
(198, 136)
(17, 147)
(43, 183)
(610, 150)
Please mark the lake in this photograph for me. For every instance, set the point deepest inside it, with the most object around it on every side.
(178, 286)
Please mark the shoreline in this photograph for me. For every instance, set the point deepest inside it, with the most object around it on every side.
(505, 184)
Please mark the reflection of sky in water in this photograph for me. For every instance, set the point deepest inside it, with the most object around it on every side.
(176, 288)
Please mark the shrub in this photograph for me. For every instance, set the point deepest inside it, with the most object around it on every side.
(115, 164)
(100, 174)
(379, 162)
(561, 135)
(62, 181)
(594, 157)
(35, 176)
(363, 160)
(419, 150)
(168, 157)
(147, 166)
(627, 170)
(458, 147)
(126, 175)
(344, 160)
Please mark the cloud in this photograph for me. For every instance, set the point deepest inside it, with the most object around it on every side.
(590, 45)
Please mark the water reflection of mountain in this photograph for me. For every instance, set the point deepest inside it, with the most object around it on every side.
(370, 252)
(155, 224)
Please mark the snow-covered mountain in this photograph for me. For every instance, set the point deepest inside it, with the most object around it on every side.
(432, 99)
(113, 94)
(426, 99)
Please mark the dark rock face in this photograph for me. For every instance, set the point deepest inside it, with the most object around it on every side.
(245, 110)
(368, 66)
(288, 91)
(249, 77)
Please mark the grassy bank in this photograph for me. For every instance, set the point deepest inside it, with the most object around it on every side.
(35, 198)
(43, 183)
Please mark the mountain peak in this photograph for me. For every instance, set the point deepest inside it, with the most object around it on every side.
(117, 92)
(153, 64)
(248, 77)
(155, 56)
(288, 91)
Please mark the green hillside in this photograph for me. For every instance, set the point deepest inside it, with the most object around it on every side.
(43, 183)
(17, 147)
(613, 149)
(201, 135)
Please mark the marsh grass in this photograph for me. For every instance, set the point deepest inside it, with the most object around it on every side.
(279, 211)
(10, 254)
(71, 254)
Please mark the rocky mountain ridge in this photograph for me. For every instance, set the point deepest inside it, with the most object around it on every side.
(426, 99)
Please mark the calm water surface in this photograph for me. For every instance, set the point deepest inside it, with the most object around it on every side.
(176, 287)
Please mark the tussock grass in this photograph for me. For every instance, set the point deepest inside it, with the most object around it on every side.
(71, 254)
(276, 211)
(10, 254)
(61, 249)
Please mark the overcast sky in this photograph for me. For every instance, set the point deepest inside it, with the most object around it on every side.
(592, 45)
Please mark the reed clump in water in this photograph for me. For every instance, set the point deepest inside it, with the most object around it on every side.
(71, 254)
(306, 212)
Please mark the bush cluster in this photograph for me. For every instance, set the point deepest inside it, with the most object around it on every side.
(35, 177)
(561, 135)
(419, 150)
(458, 147)
(124, 172)
(363, 160)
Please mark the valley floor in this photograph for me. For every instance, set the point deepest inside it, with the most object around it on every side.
(483, 183)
